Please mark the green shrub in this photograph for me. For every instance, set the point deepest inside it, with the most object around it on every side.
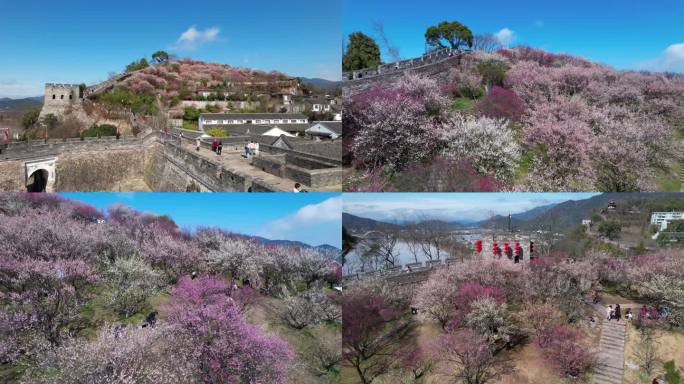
(610, 229)
(217, 132)
(100, 130)
(493, 72)
(141, 103)
(30, 118)
(191, 113)
(190, 125)
(212, 108)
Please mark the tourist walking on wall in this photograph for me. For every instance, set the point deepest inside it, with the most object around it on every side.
(180, 138)
(214, 145)
(247, 150)
(197, 143)
(219, 147)
(618, 313)
(609, 312)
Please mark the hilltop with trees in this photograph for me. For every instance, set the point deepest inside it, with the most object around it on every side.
(151, 87)
(514, 119)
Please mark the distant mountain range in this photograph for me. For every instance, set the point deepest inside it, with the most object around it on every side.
(323, 84)
(557, 217)
(15, 104)
(326, 248)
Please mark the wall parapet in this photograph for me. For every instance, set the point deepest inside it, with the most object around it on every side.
(402, 65)
(212, 175)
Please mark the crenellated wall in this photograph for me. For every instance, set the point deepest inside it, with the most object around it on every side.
(434, 68)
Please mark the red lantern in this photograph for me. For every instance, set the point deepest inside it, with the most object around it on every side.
(531, 247)
(507, 249)
(495, 248)
(517, 249)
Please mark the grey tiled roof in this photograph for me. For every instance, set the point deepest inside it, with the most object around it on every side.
(335, 126)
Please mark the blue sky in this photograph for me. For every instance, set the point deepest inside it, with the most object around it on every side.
(313, 218)
(448, 206)
(77, 41)
(622, 33)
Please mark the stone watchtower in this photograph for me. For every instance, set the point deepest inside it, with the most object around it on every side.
(58, 97)
(61, 95)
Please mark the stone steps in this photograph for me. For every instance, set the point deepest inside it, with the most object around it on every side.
(610, 367)
(681, 178)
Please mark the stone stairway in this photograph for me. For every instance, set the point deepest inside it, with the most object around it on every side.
(610, 367)
(681, 165)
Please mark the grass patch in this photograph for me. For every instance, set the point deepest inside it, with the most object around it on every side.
(609, 248)
(190, 125)
(463, 104)
(669, 179)
(217, 132)
(523, 168)
(10, 373)
(302, 341)
(97, 311)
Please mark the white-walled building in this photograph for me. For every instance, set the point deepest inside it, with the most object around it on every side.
(320, 104)
(662, 218)
(287, 121)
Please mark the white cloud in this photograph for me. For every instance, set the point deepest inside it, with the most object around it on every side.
(671, 60)
(675, 52)
(505, 36)
(192, 38)
(327, 211)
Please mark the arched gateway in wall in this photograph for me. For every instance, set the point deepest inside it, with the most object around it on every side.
(40, 175)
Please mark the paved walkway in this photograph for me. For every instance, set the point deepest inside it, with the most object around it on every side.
(231, 158)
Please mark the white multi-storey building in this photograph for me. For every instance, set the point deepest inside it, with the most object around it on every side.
(662, 218)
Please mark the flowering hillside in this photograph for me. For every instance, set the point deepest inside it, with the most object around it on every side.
(523, 118)
(178, 78)
(485, 321)
(124, 296)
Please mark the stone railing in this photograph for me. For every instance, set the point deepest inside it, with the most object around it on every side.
(400, 66)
